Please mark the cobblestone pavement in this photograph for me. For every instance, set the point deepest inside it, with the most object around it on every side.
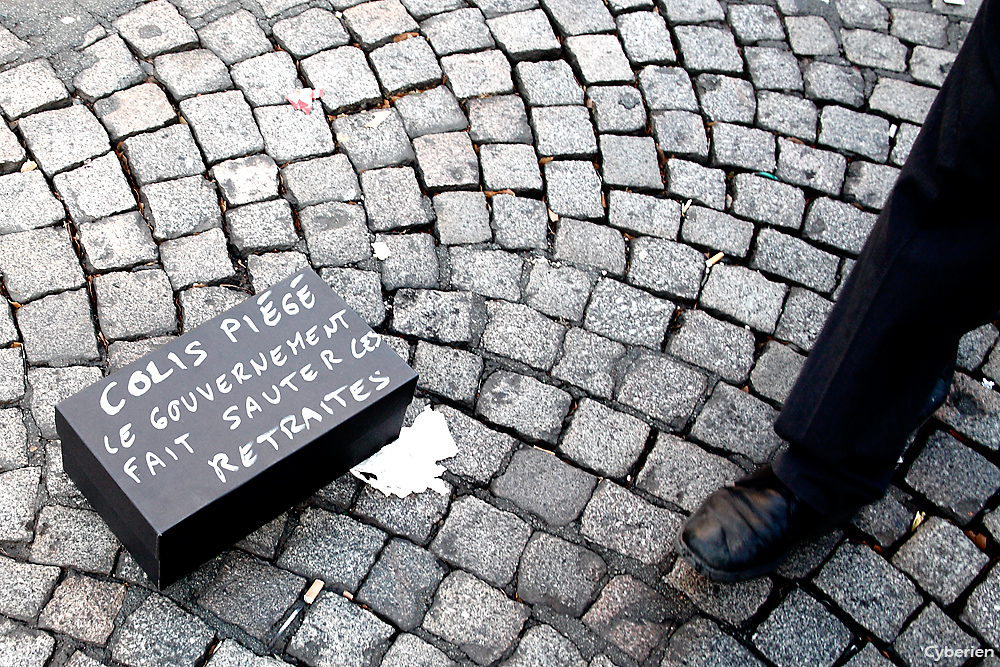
(553, 180)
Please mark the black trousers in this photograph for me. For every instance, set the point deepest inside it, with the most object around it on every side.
(928, 273)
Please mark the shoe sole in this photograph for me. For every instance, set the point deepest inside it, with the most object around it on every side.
(723, 576)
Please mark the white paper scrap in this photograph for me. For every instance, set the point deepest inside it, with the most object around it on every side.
(955, 2)
(381, 250)
(410, 464)
(377, 118)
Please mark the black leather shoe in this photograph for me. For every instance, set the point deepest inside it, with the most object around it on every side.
(747, 530)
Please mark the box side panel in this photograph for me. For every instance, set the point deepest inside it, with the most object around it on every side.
(291, 480)
(121, 515)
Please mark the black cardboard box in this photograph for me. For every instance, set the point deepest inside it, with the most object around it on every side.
(207, 438)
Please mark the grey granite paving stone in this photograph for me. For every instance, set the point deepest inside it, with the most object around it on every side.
(320, 180)
(542, 644)
(919, 27)
(510, 167)
(524, 35)
(13, 435)
(12, 154)
(405, 65)
(598, 59)
(854, 132)
(412, 261)
(491, 8)
(114, 68)
(974, 345)
(863, 14)
(491, 273)
(499, 119)
(801, 632)
(95, 190)
(478, 74)
(481, 450)
(26, 202)
(628, 315)
(714, 345)
(888, 519)
(579, 18)
(932, 628)
(200, 258)
(954, 477)
(83, 608)
(692, 11)
(809, 167)
(616, 108)
(246, 180)
(48, 386)
(374, 23)
(661, 387)
(332, 547)
(630, 162)
(980, 612)
(666, 268)
(532, 408)
(755, 23)
(630, 616)
(732, 603)
(310, 32)
(182, 206)
(726, 99)
(402, 583)
(30, 88)
(336, 234)
(165, 154)
(573, 189)
(235, 37)
(667, 88)
(338, 633)
(563, 131)
(58, 330)
(411, 651)
(38, 262)
(361, 290)
(477, 618)
(270, 268)
(873, 593)
(684, 474)
(701, 637)
(345, 78)
(736, 422)
(140, 109)
(802, 318)
(589, 362)
(901, 99)
(61, 139)
(422, 9)
(645, 38)
(941, 559)
(291, 135)
(223, 125)
(838, 225)
(590, 245)
(621, 521)
(73, 538)
(459, 31)
(604, 440)
(462, 217)
(744, 295)
(191, 73)
(795, 260)
(702, 185)
(558, 291)
(773, 69)
(30, 648)
(259, 226)
(414, 517)
(869, 184)
(444, 317)
(392, 199)
(547, 83)
(716, 230)
(155, 28)
(448, 372)
(776, 371)
(230, 653)
(200, 304)
(930, 66)
(834, 83)
(373, 140)
(643, 214)
(519, 223)
(873, 49)
(18, 490)
(811, 36)
(135, 304)
(26, 588)
(786, 114)
(540, 483)
(705, 49)
(742, 147)
(446, 161)
(431, 112)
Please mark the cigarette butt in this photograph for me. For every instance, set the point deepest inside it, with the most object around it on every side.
(347, 594)
(313, 591)
(715, 259)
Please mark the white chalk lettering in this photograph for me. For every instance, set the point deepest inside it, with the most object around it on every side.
(220, 462)
(229, 417)
(183, 440)
(106, 404)
(247, 457)
(152, 460)
(130, 468)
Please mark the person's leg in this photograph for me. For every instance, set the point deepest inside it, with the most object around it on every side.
(925, 276)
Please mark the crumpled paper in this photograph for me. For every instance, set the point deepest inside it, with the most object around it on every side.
(410, 463)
